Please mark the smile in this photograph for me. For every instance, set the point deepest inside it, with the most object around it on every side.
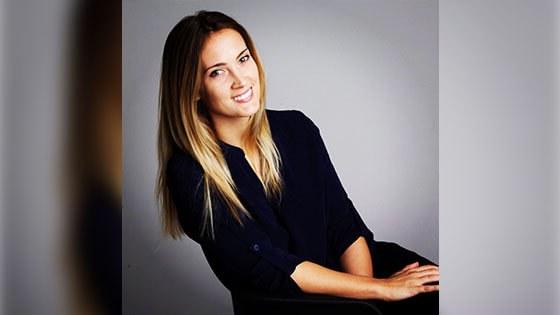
(245, 97)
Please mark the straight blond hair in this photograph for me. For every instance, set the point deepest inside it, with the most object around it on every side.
(184, 124)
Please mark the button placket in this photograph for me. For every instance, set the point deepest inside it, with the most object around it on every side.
(255, 247)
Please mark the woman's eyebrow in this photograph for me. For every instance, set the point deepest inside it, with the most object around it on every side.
(223, 63)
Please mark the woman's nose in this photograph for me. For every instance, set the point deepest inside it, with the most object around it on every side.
(238, 79)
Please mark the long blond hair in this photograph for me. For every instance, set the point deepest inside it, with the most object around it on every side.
(184, 124)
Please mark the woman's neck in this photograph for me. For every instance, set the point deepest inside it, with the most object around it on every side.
(232, 131)
(235, 132)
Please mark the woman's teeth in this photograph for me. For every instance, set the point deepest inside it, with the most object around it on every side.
(245, 97)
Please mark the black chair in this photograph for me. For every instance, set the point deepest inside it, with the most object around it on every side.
(253, 303)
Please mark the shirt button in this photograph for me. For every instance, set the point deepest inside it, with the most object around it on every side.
(255, 247)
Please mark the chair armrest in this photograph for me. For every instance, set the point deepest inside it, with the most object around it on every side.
(250, 303)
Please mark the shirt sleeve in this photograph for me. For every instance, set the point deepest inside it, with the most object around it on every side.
(242, 257)
(344, 224)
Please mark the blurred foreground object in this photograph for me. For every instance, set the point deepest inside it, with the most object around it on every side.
(61, 157)
(95, 157)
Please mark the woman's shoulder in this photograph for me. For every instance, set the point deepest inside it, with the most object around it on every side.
(294, 133)
(289, 119)
(182, 164)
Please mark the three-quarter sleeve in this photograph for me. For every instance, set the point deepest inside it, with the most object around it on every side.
(344, 224)
(242, 257)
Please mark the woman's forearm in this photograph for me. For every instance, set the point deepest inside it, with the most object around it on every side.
(409, 281)
(314, 278)
(356, 259)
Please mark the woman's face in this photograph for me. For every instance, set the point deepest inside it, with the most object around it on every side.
(230, 77)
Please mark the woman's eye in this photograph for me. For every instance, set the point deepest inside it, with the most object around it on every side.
(244, 58)
(215, 73)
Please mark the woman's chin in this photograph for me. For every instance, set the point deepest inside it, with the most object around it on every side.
(248, 109)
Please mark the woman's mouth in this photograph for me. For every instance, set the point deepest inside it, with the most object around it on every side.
(245, 96)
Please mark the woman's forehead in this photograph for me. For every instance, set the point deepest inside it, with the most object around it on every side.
(222, 47)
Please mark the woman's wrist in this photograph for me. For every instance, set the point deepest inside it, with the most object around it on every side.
(377, 288)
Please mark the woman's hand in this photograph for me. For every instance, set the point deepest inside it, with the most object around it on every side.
(410, 281)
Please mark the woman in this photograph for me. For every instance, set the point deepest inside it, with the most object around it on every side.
(255, 187)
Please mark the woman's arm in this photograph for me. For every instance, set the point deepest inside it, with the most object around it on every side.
(356, 259)
(314, 278)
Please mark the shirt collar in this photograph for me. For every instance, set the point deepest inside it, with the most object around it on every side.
(231, 149)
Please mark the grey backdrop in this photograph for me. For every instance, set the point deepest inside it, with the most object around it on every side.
(366, 72)
(499, 153)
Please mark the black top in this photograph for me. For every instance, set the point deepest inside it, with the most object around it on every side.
(313, 221)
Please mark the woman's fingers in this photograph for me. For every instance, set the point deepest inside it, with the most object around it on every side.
(422, 277)
(425, 273)
(414, 264)
(424, 268)
(407, 271)
(430, 278)
(429, 288)
(418, 275)
(407, 267)
(411, 284)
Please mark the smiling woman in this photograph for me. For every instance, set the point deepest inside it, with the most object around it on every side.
(210, 109)
(230, 88)
(256, 188)
(229, 84)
